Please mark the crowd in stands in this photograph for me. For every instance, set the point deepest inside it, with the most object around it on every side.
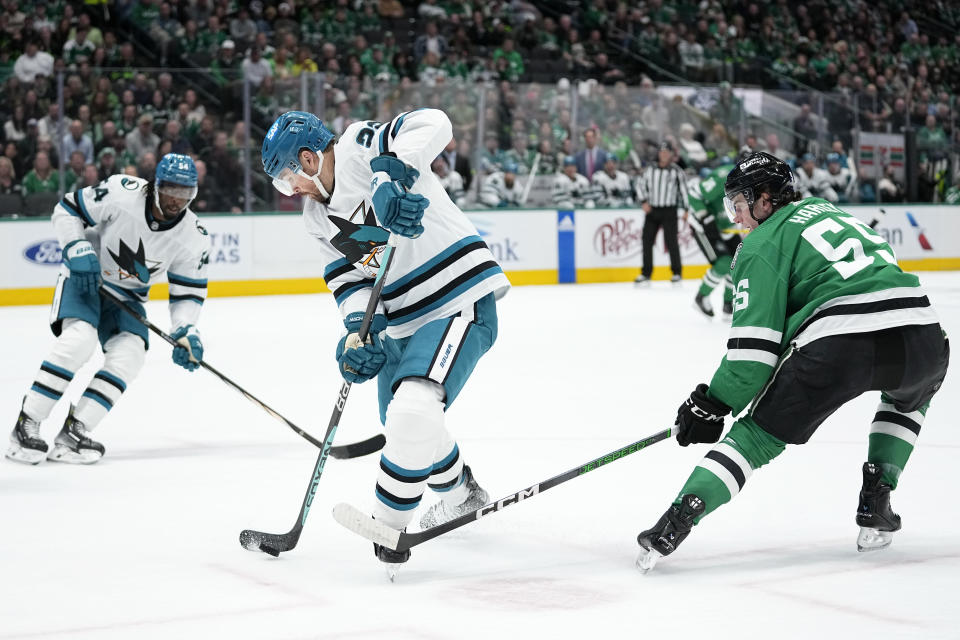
(146, 77)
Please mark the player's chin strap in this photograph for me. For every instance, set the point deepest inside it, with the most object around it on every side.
(316, 181)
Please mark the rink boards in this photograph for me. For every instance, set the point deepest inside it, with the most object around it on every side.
(272, 253)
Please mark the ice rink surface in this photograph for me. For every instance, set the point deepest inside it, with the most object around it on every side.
(144, 543)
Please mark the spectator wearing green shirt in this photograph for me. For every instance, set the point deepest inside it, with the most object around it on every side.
(74, 171)
(931, 136)
(514, 61)
(43, 178)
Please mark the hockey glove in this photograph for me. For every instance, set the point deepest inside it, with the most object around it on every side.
(358, 361)
(700, 419)
(84, 266)
(397, 209)
(189, 352)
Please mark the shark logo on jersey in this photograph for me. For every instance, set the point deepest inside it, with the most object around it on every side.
(361, 244)
(134, 264)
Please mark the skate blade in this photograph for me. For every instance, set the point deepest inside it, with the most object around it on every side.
(873, 539)
(647, 559)
(25, 456)
(392, 569)
(708, 316)
(69, 456)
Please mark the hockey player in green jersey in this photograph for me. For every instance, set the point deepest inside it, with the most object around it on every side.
(821, 314)
(717, 237)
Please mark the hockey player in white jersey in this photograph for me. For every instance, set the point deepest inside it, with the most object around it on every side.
(502, 189)
(814, 182)
(840, 178)
(124, 233)
(570, 189)
(612, 185)
(437, 313)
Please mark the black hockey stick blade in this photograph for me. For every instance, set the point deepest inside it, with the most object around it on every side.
(365, 526)
(270, 543)
(359, 449)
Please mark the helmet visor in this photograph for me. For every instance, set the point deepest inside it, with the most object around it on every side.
(178, 191)
(285, 180)
(738, 203)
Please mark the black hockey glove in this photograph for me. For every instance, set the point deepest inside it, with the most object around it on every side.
(700, 419)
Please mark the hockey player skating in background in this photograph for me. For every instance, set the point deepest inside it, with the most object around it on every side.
(126, 233)
(612, 185)
(717, 237)
(821, 314)
(571, 190)
(437, 314)
(501, 188)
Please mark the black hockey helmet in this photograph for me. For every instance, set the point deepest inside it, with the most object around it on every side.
(758, 173)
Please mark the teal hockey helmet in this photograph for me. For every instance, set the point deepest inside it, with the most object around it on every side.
(280, 153)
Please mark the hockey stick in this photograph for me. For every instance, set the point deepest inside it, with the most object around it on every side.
(530, 179)
(362, 524)
(275, 543)
(353, 450)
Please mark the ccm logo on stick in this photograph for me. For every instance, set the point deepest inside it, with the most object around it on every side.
(517, 497)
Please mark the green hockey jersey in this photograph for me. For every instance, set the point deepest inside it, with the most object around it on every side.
(808, 272)
(706, 202)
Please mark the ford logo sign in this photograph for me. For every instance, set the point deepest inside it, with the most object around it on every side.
(44, 252)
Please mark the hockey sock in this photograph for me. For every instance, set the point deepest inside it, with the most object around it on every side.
(123, 358)
(709, 282)
(414, 425)
(893, 435)
(73, 347)
(727, 288)
(727, 466)
(447, 475)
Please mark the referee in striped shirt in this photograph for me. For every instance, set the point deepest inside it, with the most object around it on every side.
(662, 189)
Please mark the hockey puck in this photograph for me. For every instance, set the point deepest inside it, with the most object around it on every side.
(269, 550)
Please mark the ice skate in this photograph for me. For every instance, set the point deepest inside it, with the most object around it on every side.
(26, 445)
(392, 560)
(676, 279)
(727, 309)
(702, 303)
(73, 444)
(874, 515)
(442, 512)
(642, 281)
(664, 537)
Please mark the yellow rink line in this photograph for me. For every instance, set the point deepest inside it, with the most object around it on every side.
(287, 286)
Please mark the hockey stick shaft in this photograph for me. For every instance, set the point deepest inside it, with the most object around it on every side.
(362, 524)
(365, 445)
(254, 540)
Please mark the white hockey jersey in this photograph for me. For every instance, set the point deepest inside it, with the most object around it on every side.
(571, 193)
(816, 185)
(843, 183)
(452, 183)
(613, 192)
(495, 193)
(445, 270)
(135, 250)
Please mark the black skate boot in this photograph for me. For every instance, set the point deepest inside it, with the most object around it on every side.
(26, 445)
(702, 304)
(74, 445)
(391, 559)
(727, 308)
(671, 529)
(874, 515)
(442, 512)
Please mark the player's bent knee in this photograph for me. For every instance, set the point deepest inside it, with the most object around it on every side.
(124, 355)
(77, 342)
(416, 411)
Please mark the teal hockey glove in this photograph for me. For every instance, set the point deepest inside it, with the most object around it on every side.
(398, 210)
(189, 352)
(358, 361)
(84, 266)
